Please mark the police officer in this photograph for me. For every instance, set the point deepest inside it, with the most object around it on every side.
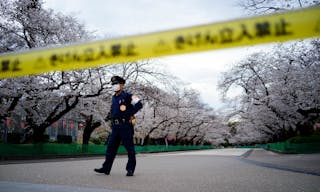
(124, 107)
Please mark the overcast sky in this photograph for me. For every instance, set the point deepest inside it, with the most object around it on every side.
(131, 17)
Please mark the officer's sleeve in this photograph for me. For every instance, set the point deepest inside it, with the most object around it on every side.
(108, 117)
(136, 103)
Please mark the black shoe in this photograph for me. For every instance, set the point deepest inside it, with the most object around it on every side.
(130, 173)
(102, 170)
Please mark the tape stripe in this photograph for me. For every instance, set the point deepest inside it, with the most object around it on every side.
(256, 30)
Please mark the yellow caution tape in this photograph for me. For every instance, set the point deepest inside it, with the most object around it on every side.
(263, 29)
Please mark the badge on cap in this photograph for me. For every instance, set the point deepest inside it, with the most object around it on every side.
(123, 107)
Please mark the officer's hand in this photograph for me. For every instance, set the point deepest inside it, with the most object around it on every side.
(108, 117)
(133, 120)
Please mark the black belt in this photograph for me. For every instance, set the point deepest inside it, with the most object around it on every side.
(117, 121)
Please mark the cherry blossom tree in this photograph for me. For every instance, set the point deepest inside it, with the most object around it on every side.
(280, 89)
(271, 6)
(170, 110)
(176, 114)
(42, 99)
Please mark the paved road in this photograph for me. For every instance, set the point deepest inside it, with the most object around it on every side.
(210, 170)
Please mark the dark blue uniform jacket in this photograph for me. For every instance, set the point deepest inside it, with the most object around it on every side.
(122, 108)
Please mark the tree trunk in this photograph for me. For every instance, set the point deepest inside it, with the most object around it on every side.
(38, 134)
(55, 115)
(89, 128)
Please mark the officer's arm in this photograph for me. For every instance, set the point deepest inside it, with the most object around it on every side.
(136, 103)
(108, 117)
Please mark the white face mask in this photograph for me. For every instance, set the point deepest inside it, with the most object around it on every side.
(116, 87)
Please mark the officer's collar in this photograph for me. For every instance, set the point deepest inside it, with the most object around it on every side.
(122, 92)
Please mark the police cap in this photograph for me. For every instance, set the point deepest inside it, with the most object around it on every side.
(117, 79)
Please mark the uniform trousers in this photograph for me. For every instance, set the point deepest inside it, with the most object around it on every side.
(124, 132)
